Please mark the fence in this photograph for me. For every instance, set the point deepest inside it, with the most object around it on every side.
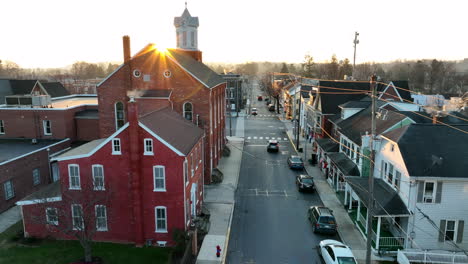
(428, 257)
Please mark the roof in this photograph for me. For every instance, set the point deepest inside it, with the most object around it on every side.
(356, 104)
(55, 89)
(15, 87)
(403, 89)
(87, 114)
(156, 93)
(328, 103)
(173, 128)
(187, 18)
(388, 202)
(344, 164)
(12, 148)
(82, 150)
(327, 144)
(43, 195)
(196, 68)
(433, 150)
(426, 118)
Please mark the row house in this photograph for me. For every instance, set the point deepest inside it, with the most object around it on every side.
(136, 186)
(192, 89)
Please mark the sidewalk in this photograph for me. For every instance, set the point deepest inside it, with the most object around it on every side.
(219, 199)
(347, 230)
(9, 218)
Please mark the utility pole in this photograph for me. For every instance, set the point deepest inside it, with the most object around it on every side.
(370, 202)
(356, 41)
(237, 96)
(298, 121)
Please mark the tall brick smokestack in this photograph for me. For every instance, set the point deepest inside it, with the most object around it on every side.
(126, 48)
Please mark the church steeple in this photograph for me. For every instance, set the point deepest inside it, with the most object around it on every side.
(186, 30)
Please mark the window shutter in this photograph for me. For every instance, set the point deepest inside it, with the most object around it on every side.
(439, 192)
(460, 231)
(420, 191)
(442, 231)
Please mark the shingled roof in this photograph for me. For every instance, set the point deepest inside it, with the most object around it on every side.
(55, 89)
(173, 128)
(328, 103)
(433, 150)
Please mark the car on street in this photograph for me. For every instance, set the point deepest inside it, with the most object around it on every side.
(295, 162)
(254, 111)
(335, 252)
(322, 220)
(267, 101)
(260, 98)
(271, 107)
(273, 146)
(305, 183)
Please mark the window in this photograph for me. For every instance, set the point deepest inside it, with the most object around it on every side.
(397, 179)
(186, 172)
(116, 147)
(2, 127)
(148, 146)
(188, 111)
(192, 38)
(9, 190)
(192, 164)
(184, 38)
(36, 176)
(74, 176)
(47, 127)
(101, 218)
(450, 230)
(98, 177)
(77, 217)
(119, 115)
(159, 178)
(429, 191)
(52, 216)
(358, 153)
(390, 174)
(161, 219)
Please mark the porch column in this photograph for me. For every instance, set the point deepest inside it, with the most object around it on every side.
(350, 198)
(358, 209)
(377, 237)
(367, 217)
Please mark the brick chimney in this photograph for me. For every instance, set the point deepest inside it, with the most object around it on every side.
(126, 48)
(135, 173)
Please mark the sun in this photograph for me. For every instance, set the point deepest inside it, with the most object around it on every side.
(161, 47)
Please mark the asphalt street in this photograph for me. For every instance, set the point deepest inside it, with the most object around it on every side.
(270, 216)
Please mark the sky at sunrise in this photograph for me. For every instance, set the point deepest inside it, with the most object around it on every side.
(57, 33)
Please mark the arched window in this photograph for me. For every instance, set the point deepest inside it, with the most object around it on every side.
(119, 115)
(188, 111)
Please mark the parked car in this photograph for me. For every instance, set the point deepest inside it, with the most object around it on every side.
(305, 183)
(322, 220)
(254, 111)
(271, 107)
(335, 252)
(295, 162)
(273, 146)
(267, 101)
(260, 98)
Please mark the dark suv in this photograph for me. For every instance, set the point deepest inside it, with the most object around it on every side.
(322, 220)
(273, 146)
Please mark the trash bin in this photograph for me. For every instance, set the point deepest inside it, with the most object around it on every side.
(314, 159)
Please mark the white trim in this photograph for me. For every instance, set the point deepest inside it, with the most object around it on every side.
(118, 68)
(103, 188)
(39, 201)
(156, 219)
(2, 127)
(161, 140)
(148, 153)
(73, 216)
(97, 147)
(386, 88)
(115, 114)
(44, 127)
(96, 217)
(185, 172)
(114, 152)
(154, 178)
(73, 96)
(69, 177)
(49, 222)
(4, 107)
(434, 191)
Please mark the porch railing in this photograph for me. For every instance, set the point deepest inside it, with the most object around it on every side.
(391, 242)
(409, 256)
(341, 186)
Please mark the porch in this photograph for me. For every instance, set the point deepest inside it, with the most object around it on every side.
(427, 257)
(389, 224)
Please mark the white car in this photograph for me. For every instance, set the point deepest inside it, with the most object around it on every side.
(335, 252)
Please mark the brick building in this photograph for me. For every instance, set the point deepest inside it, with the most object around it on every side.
(174, 77)
(137, 185)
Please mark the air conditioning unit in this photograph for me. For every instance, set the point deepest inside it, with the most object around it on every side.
(161, 243)
(428, 199)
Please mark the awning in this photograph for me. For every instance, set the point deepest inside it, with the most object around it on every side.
(344, 164)
(327, 144)
(388, 202)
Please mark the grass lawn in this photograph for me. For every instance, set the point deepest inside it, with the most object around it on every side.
(62, 252)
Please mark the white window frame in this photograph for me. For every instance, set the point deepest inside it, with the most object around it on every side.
(2, 127)
(116, 115)
(36, 173)
(148, 147)
(118, 150)
(47, 126)
(191, 111)
(78, 187)
(455, 230)
(434, 190)
(185, 172)
(49, 219)
(163, 178)
(101, 217)
(192, 165)
(9, 189)
(98, 188)
(77, 217)
(156, 219)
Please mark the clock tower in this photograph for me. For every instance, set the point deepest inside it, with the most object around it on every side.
(186, 31)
